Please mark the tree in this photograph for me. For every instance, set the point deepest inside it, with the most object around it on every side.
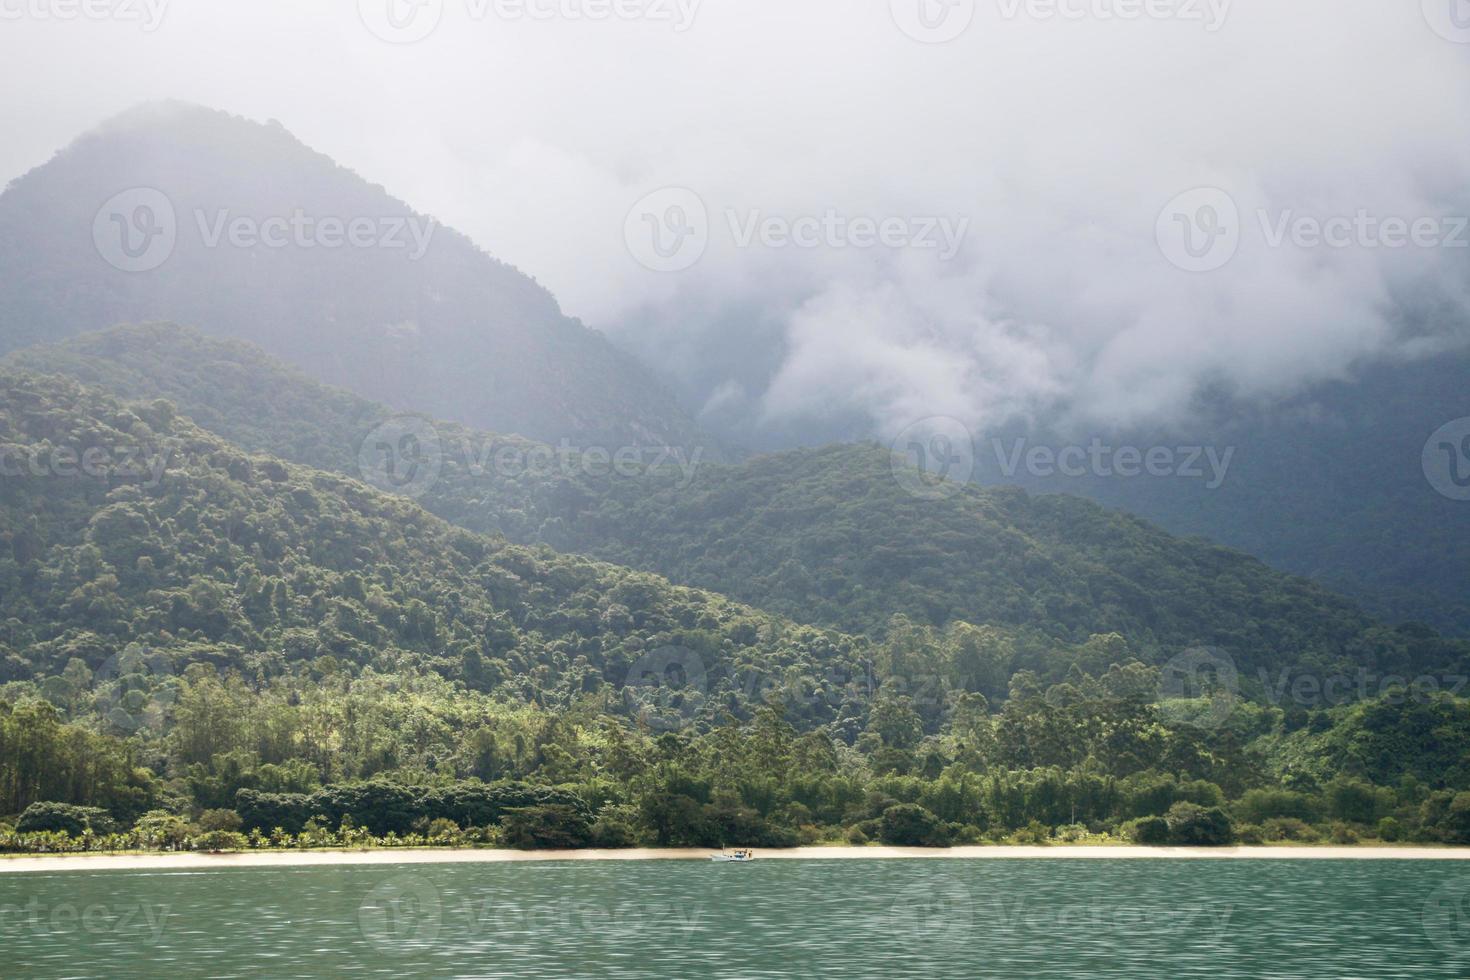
(1147, 831)
(910, 825)
(1191, 825)
(63, 818)
(227, 820)
(549, 827)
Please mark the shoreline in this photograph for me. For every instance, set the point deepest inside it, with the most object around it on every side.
(196, 861)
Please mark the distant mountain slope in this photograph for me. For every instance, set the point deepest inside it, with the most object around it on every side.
(255, 236)
(131, 528)
(824, 536)
(1329, 484)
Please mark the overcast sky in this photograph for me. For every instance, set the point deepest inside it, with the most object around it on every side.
(1090, 212)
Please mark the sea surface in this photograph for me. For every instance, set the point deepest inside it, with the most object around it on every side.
(847, 918)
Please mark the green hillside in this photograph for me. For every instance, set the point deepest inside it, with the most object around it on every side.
(195, 551)
(826, 536)
(250, 227)
(199, 639)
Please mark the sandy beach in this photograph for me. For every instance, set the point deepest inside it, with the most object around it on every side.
(284, 859)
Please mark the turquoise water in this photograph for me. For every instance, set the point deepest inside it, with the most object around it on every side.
(940, 918)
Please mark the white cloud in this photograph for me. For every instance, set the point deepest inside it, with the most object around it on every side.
(1060, 141)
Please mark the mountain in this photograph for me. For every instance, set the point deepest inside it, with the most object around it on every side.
(196, 632)
(831, 537)
(176, 212)
(127, 531)
(1330, 484)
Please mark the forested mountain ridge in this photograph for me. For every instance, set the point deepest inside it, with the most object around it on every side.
(198, 638)
(129, 527)
(825, 536)
(1330, 483)
(177, 212)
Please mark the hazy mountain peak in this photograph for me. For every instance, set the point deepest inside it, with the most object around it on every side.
(174, 211)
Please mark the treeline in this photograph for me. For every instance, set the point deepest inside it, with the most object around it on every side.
(826, 536)
(1049, 765)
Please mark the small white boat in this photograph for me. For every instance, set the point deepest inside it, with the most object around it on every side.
(733, 857)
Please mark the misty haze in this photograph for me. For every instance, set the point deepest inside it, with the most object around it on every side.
(473, 471)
